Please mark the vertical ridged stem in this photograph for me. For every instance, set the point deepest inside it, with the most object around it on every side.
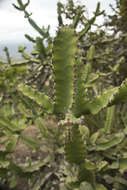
(64, 49)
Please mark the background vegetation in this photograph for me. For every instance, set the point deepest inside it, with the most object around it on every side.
(63, 121)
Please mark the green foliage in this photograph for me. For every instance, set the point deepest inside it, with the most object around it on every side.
(109, 119)
(120, 95)
(8, 77)
(38, 97)
(123, 9)
(110, 97)
(75, 77)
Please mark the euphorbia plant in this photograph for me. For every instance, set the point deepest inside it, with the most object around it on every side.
(70, 101)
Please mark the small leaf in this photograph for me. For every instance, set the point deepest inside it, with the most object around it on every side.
(113, 142)
(4, 163)
(101, 165)
(29, 141)
(34, 167)
(100, 187)
(12, 143)
(114, 165)
(109, 119)
(44, 132)
(14, 181)
(92, 82)
(85, 186)
(90, 53)
(123, 165)
(84, 132)
(89, 165)
(7, 125)
(94, 137)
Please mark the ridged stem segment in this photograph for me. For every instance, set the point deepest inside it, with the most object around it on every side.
(80, 94)
(64, 49)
